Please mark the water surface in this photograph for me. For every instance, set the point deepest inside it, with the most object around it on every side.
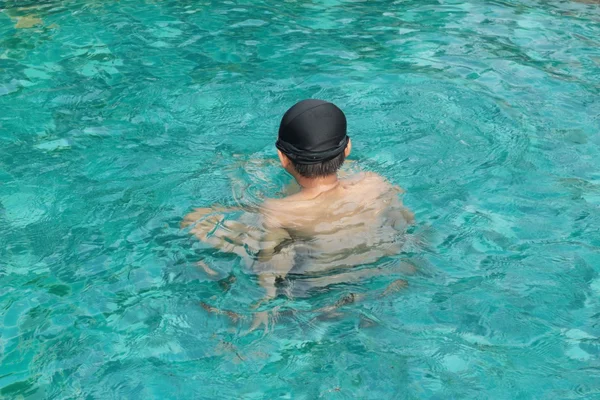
(118, 117)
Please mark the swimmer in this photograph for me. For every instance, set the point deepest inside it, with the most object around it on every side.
(322, 231)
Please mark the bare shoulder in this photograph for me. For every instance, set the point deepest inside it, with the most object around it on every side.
(275, 212)
(373, 177)
(374, 182)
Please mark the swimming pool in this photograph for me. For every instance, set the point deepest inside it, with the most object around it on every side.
(118, 117)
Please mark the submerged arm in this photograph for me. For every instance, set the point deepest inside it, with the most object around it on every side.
(275, 259)
(210, 226)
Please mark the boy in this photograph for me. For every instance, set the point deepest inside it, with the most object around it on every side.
(326, 228)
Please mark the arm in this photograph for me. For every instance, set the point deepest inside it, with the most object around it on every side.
(209, 226)
(397, 215)
(275, 260)
(275, 257)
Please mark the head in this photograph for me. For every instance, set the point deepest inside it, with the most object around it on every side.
(312, 141)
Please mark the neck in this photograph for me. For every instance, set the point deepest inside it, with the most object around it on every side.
(320, 184)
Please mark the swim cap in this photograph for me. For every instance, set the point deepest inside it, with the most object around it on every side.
(312, 131)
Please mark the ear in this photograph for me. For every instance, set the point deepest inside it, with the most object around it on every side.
(348, 148)
(285, 161)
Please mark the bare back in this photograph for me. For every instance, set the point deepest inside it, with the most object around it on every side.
(357, 222)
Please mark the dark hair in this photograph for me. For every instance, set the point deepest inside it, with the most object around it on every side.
(321, 169)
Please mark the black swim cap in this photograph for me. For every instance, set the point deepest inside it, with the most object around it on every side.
(312, 131)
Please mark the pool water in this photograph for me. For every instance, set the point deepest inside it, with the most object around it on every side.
(118, 117)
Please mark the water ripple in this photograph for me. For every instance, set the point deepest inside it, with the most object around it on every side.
(119, 117)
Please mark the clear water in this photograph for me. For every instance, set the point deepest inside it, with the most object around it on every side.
(118, 117)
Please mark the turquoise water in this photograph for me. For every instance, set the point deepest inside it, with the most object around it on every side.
(116, 118)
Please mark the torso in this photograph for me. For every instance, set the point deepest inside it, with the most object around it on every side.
(345, 226)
